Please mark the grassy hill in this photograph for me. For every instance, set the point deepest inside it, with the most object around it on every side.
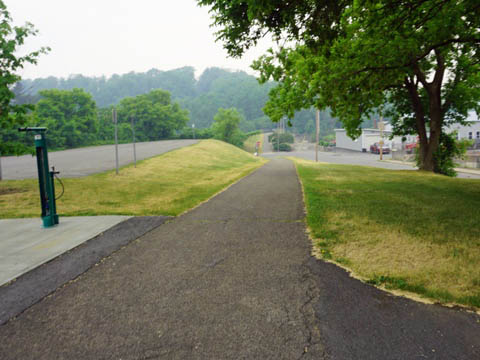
(168, 184)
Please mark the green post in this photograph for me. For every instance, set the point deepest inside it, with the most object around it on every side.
(45, 178)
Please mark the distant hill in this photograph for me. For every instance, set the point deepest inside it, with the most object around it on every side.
(215, 88)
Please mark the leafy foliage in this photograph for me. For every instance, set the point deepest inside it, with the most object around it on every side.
(421, 58)
(281, 147)
(11, 38)
(449, 149)
(73, 119)
(109, 91)
(283, 138)
(156, 117)
(70, 117)
(226, 124)
(216, 88)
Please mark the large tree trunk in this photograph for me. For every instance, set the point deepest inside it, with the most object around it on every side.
(428, 143)
(425, 154)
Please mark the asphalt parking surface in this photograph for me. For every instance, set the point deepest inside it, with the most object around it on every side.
(88, 160)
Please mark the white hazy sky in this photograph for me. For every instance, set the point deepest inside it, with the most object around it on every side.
(104, 37)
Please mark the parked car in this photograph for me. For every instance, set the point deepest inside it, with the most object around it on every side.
(410, 148)
(375, 149)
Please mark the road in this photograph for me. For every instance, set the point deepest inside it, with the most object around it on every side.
(347, 157)
(234, 279)
(88, 160)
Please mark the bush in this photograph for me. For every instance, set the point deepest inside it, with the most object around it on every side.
(283, 147)
(284, 138)
(251, 133)
(448, 149)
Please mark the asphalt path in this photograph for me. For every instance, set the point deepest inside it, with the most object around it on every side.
(88, 160)
(234, 279)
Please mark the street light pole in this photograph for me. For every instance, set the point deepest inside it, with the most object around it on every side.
(317, 134)
(381, 125)
(134, 149)
(114, 115)
(278, 137)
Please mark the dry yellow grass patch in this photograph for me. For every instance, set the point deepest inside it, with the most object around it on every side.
(407, 230)
(373, 249)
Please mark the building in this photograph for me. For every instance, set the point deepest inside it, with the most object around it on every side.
(370, 136)
(469, 131)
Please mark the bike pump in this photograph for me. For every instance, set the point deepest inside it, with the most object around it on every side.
(45, 177)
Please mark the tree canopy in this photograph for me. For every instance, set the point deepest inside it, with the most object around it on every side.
(11, 38)
(155, 116)
(225, 127)
(70, 117)
(414, 60)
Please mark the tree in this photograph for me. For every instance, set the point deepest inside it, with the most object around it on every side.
(69, 115)
(225, 126)
(11, 38)
(156, 117)
(419, 58)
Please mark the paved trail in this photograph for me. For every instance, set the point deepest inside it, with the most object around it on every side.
(233, 279)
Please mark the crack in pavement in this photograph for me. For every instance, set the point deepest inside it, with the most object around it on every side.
(227, 281)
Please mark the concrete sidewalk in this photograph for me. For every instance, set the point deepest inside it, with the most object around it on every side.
(25, 244)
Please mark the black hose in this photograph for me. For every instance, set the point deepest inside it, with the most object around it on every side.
(63, 187)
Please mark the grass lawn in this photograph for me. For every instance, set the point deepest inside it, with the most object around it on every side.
(406, 230)
(249, 144)
(168, 184)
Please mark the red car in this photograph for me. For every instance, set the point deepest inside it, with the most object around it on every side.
(409, 148)
(375, 149)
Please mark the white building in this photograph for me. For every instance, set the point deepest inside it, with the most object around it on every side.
(371, 136)
(470, 131)
(368, 138)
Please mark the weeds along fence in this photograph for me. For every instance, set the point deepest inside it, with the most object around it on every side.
(471, 159)
(403, 155)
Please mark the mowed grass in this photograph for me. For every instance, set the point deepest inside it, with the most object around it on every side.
(406, 230)
(168, 184)
(249, 144)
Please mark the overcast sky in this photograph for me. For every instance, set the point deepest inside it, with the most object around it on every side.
(104, 37)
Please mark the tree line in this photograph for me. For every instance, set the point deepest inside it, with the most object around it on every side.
(215, 88)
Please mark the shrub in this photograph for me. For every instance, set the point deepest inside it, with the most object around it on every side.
(283, 147)
(284, 138)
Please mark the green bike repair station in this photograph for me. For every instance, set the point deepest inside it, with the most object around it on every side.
(45, 177)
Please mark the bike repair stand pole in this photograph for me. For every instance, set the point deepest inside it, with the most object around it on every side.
(45, 177)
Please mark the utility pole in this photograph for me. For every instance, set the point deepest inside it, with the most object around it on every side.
(317, 134)
(278, 137)
(134, 149)
(193, 129)
(381, 126)
(114, 118)
(0, 167)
